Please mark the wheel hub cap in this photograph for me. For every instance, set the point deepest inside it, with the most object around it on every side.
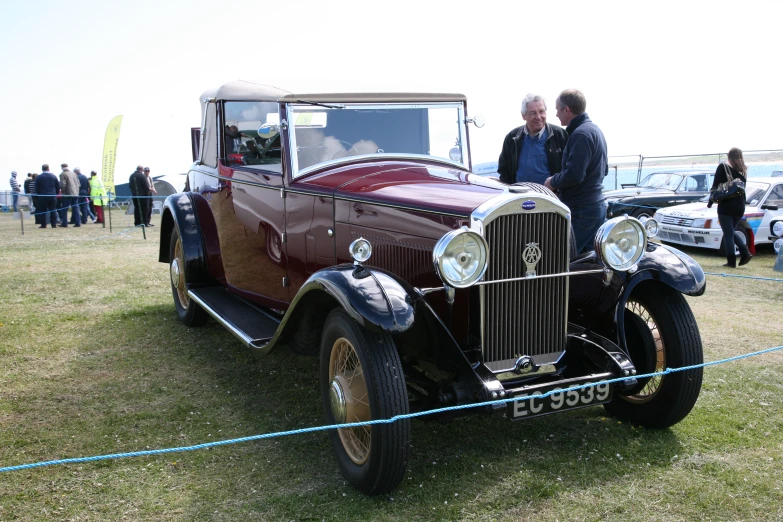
(337, 400)
(175, 273)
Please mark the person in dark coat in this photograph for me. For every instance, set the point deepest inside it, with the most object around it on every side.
(730, 211)
(29, 189)
(84, 194)
(585, 164)
(534, 151)
(140, 190)
(47, 186)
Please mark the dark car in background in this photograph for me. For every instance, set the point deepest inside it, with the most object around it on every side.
(349, 227)
(659, 190)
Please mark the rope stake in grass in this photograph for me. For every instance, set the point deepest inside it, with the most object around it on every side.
(378, 421)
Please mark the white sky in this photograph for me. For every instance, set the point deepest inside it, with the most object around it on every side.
(659, 77)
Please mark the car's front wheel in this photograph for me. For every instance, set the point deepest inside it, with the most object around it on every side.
(188, 312)
(660, 332)
(362, 380)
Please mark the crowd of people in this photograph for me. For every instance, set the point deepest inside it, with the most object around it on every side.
(52, 196)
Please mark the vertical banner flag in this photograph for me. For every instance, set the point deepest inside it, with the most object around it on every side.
(110, 153)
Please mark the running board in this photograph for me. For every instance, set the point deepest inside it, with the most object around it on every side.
(249, 324)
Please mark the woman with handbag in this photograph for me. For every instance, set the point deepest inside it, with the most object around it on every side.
(728, 190)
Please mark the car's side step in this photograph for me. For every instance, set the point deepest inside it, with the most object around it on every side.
(251, 325)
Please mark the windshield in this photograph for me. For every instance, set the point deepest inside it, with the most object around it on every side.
(329, 134)
(662, 180)
(754, 191)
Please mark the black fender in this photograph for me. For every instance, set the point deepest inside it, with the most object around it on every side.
(667, 265)
(179, 212)
(670, 266)
(374, 298)
(378, 300)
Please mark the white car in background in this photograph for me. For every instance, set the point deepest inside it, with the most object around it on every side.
(694, 224)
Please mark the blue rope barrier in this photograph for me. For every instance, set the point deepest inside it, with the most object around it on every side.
(745, 277)
(377, 421)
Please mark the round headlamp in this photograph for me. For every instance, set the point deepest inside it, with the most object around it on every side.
(650, 226)
(361, 250)
(460, 258)
(777, 229)
(620, 242)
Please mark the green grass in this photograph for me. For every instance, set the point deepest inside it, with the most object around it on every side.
(93, 361)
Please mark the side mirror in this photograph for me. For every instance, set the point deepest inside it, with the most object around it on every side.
(268, 130)
(478, 120)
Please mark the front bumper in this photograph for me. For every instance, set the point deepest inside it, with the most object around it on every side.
(699, 237)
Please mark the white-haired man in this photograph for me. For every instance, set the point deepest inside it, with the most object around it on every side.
(534, 151)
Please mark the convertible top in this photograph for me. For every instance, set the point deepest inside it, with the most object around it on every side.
(241, 90)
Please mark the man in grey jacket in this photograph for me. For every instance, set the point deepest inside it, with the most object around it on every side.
(534, 151)
(69, 184)
(585, 163)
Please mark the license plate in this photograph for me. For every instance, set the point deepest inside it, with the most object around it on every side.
(558, 401)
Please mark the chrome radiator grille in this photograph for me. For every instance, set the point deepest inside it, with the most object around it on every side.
(525, 317)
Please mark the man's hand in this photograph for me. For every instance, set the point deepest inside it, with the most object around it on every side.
(548, 184)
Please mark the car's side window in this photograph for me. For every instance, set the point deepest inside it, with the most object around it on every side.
(242, 144)
(776, 196)
(696, 183)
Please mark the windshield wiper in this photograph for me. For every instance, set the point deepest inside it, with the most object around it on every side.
(321, 104)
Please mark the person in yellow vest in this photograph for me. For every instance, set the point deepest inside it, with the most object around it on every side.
(96, 194)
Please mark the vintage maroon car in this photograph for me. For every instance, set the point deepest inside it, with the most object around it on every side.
(350, 226)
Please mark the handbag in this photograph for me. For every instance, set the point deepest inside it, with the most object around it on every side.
(729, 189)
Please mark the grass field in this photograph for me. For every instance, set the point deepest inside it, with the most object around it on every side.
(93, 361)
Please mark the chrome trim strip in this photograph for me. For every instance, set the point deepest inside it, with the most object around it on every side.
(239, 334)
(425, 291)
(562, 274)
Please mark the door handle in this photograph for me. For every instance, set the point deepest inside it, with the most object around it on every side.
(361, 212)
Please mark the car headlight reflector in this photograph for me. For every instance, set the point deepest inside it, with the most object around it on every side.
(360, 250)
(621, 242)
(650, 226)
(460, 258)
(777, 229)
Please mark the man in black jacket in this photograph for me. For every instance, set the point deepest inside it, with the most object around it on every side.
(47, 186)
(585, 163)
(534, 151)
(140, 191)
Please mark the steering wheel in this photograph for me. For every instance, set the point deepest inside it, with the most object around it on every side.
(348, 150)
(268, 145)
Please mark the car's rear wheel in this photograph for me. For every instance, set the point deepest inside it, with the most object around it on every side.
(362, 380)
(661, 332)
(188, 312)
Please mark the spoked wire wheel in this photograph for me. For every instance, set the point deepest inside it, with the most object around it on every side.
(654, 383)
(362, 380)
(660, 332)
(188, 312)
(349, 400)
(177, 274)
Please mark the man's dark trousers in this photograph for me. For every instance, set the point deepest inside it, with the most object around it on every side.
(140, 211)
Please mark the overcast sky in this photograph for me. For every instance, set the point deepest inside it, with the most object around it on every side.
(659, 77)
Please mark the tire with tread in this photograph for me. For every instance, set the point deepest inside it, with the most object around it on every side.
(188, 312)
(667, 399)
(383, 466)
